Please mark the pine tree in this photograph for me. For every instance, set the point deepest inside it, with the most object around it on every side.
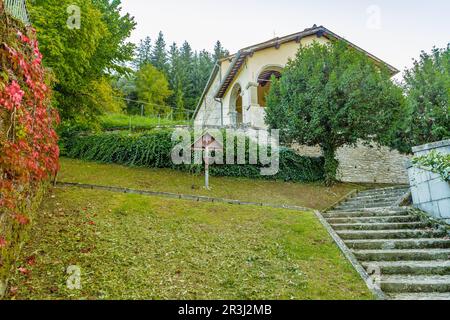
(203, 64)
(220, 52)
(187, 75)
(143, 53)
(159, 54)
(176, 101)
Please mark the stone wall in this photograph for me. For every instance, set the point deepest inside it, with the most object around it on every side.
(430, 192)
(369, 164)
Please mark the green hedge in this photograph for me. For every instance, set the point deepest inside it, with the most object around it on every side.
(153, 149)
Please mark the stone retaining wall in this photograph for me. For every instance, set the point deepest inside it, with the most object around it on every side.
(369, 164)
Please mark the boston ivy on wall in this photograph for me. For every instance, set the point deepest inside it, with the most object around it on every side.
(28, 142)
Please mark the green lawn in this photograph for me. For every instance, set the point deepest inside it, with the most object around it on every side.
(310, 195)
(122, 121)
(137, 247)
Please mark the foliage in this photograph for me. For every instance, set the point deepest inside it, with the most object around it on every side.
(219, 52)
(437, 162)
(153, 89)
(159, 55)
(153, 149)
(143, 54)
(187, 72)
(124, 122)
(427, 117)
(107, 99)
(331, 96)
(28, 143)
(81, 57)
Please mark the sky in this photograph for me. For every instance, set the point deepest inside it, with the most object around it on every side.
(393, 30)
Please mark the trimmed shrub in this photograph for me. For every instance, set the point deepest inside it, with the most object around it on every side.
(153, 149)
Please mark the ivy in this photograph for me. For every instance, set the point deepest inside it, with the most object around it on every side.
(436, 162)
(28, 142)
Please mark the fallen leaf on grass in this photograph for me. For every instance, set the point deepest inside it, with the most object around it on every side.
(13, 291)
(3, 242)
(24, 271)
(31, 261)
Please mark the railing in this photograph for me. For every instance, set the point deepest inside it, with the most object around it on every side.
(17, 9)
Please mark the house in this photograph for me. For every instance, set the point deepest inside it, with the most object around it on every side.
(235, 92)
(235, 96)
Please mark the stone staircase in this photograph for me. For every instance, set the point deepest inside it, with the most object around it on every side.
(409, 257)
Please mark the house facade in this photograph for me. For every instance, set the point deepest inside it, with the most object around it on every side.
(235, 96)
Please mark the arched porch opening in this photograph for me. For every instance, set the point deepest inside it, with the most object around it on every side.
(264, 83)
(236, 112)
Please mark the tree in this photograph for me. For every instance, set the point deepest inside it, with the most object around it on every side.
(219, 52)
(203, 64)
(143, 53)
(159, 55)
(427, 85)
(331, 96)
(81, 57)
(187, 75)
(176, 101)
(153, 88)
(106, 98)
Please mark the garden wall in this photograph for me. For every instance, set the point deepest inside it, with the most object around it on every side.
(368, 164)
(429, 191)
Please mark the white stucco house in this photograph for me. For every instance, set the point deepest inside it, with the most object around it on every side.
(236, 92)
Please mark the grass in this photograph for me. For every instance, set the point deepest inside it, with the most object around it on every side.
(310, 195)
(123, 122)
(136, 247)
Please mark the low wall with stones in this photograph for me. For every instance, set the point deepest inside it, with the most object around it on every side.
(429, 191)
(369, 164)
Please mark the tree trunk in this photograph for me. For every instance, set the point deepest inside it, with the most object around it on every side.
(331, 165)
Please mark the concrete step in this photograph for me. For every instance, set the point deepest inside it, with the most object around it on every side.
(382, 195)
(390, 234)
(376, 197)
(394, 190)
(421, 296)
(364, 213)
(372, 200)
(402, 255)
(434, 267)
(398, 244)
(382, 219)
(380, 226)
(363, 206)
(415, 284)
(375, 210)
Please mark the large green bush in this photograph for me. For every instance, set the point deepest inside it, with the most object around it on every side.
(153, 149)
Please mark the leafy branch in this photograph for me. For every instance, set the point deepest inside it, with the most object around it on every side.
(436, 162)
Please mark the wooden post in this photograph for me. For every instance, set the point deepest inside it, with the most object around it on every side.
(207, 168)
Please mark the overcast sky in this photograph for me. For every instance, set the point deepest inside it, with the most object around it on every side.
(394, 30)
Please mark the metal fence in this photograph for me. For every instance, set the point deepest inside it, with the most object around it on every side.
(17, 9)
